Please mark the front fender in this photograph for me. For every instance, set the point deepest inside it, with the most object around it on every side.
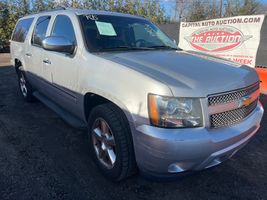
(123, 86)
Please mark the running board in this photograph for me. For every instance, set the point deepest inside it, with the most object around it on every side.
(65, 115)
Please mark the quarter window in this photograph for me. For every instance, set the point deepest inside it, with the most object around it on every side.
(64, 28)
(40, 30)
(21, 30)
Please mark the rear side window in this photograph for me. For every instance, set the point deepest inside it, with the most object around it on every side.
(63, 27)
(40, 30)
(21, 30)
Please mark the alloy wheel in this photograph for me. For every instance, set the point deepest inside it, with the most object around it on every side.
(104, 143)
(23, 87)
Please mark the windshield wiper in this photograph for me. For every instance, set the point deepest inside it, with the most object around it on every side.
(118, 48)
(163, 47)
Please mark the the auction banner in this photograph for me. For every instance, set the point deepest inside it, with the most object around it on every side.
(236, 38)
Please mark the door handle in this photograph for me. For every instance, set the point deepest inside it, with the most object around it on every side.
(46, 61)
(28, 54)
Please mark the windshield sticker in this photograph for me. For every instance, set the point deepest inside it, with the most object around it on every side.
(91, 17)
(105, 28)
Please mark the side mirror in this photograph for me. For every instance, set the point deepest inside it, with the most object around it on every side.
(58, 44)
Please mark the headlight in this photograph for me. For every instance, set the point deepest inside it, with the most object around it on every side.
(173, 112)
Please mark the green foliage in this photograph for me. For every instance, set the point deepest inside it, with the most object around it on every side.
(193, 10)
(41, 5)
(12, 10)
(7, 21)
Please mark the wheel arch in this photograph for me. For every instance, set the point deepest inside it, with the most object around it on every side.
(93, 99)
(18, 64)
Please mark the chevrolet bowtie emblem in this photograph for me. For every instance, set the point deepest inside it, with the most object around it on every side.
(245, 101)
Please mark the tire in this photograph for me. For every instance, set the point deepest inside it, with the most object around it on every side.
(118, 129)
(25, 87)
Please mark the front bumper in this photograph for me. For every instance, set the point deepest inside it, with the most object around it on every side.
(170, 151)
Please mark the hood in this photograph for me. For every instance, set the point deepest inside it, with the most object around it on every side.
(187, 74)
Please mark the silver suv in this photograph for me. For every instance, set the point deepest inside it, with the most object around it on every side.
(147, 105)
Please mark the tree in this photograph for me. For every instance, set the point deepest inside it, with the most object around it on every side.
(3, 19)
(209, 9)
(250, 7)
(197, 11)
(21, 7)
(213, 10)
(244, 7)
(8, 20)
(25, 6)
(12, 10)
(262, 9)
(41, 5)
(96, 4)
(180, 7)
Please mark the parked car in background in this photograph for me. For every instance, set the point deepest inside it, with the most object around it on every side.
(147, 104)
(4, 47)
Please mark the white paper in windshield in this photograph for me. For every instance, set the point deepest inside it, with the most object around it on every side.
(105, 28)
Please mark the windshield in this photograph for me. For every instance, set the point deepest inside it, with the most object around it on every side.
(113, 33)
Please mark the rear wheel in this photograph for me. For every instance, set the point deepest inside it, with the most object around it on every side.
(111, 142)
(25, 87)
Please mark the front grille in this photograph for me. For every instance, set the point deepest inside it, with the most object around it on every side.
(232, 116)
(232, 96)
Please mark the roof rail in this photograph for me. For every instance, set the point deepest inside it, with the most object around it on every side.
(55, 9)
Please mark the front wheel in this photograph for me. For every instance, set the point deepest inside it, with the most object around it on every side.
(111, 142)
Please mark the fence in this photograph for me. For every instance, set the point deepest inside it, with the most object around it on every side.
(172, 30)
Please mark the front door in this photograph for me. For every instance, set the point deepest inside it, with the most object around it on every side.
(61, 69)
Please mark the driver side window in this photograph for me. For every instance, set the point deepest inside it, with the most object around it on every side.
(63, 27)
(40, 30)
(143, 32)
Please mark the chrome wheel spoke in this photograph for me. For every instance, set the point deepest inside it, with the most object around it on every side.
(97, 151)
(98, 134)
(111, 156)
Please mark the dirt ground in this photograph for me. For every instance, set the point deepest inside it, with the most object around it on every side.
(41, 157)
(4, 59)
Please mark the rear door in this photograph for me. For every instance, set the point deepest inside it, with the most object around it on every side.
(34, 52)
(19, 40)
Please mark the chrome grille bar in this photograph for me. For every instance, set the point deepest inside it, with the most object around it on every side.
(232, 96)
(229, 108)
(231, 117)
